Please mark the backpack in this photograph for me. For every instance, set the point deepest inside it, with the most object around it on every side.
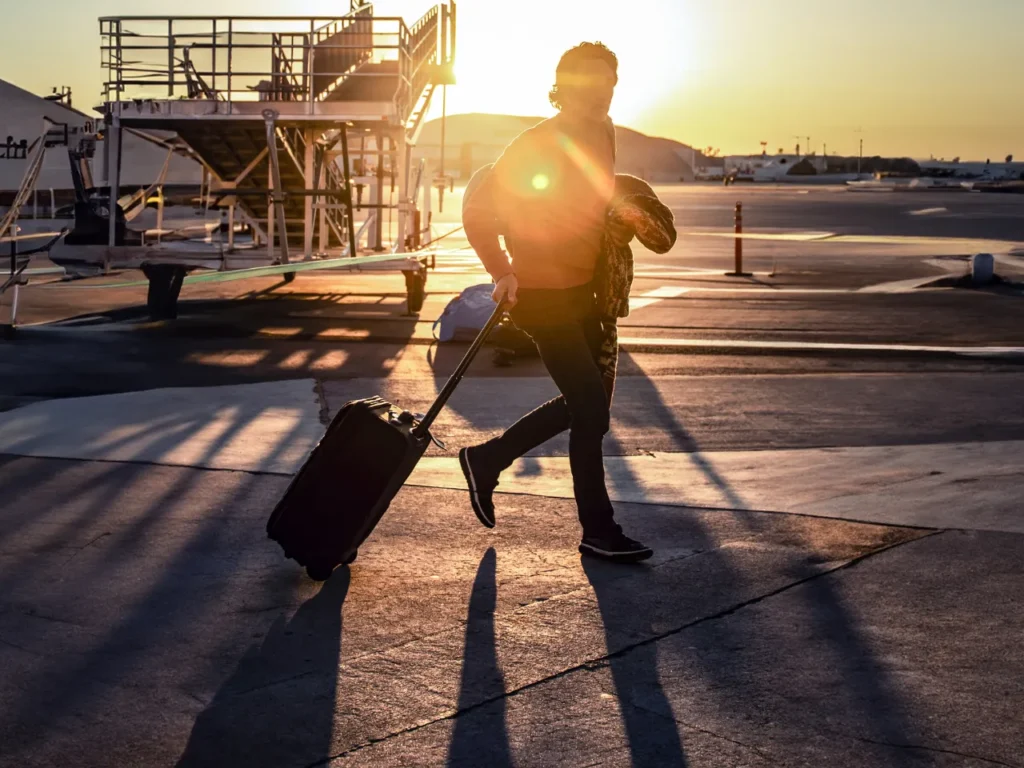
(510, 344)
(466, 314)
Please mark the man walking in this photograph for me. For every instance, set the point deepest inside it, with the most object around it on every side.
(549, 194)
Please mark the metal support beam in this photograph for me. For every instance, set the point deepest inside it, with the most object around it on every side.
(321, 179)
(277, 195)
(378, 232)
(115, 189)
(347, 171)
(406, 201)
(308, 173)
(251, 166)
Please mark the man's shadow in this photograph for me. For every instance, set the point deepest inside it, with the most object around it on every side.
(277, 709)
(647, 714)
(480, 737)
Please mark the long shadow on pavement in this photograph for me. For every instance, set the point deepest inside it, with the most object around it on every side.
(869, 704)
(483, 738)
(652, 732)
(169, 596)
(278, 707)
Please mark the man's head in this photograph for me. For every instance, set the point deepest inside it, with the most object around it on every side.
(585, 80)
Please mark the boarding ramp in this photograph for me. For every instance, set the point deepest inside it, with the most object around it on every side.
(283, 111)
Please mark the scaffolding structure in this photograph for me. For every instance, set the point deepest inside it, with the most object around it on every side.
(292, 118)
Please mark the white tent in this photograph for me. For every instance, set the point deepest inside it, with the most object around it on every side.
(21, 119)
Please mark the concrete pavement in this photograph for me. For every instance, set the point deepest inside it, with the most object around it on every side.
(147, 620)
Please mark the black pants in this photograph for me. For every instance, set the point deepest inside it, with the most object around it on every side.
(568, 334)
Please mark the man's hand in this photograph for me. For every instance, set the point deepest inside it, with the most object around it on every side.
(506, 289)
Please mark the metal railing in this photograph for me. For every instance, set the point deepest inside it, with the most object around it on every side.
(269, 58)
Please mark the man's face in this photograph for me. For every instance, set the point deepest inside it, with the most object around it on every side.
(589, 89)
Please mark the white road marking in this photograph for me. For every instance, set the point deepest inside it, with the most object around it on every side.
(929, 211)
(796, 346)
(658, 294)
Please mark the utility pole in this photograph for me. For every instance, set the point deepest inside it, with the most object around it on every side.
(860, 156)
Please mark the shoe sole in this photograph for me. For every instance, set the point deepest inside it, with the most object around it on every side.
(617, 557)
(474, 496)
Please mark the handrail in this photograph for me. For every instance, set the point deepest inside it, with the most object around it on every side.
(308, 57)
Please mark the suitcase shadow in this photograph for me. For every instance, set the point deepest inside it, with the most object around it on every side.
(277, 708)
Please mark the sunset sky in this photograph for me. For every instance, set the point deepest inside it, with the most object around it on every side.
(916, 77)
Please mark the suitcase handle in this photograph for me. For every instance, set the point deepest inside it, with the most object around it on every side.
(422, 430)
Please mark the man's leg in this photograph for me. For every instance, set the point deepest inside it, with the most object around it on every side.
(544, 422)
(568, 352)
(569, 359)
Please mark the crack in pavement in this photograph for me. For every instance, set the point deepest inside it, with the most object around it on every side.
(84, 547)
(939, 750)
(22, 648)
(576, 591)
(603, 661)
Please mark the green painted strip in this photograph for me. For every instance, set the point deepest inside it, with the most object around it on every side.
(209, 276)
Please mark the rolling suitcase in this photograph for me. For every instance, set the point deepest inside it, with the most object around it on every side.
(350, 477)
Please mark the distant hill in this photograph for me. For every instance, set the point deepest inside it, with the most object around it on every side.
(472, 140)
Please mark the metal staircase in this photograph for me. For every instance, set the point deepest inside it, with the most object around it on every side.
(237, 155)
(212, 80)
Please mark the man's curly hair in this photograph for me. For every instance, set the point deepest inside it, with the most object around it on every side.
(571, 60)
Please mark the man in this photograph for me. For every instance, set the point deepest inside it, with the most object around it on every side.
(549, 194)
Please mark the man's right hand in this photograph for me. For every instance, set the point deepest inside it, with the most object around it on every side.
(506, 289)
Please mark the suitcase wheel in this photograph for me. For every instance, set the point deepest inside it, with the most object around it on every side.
(319, 572)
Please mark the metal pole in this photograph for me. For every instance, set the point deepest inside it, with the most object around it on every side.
(115, 187)
(378, 227)
(14, 268)
(348, 192)
(277, 196)
(444, 121)
(739, 239)
(310, 182)
(738, 254)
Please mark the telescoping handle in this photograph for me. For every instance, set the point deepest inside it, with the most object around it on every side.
(423, 428)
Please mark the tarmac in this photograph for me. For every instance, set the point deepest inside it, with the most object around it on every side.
(858, 605)
(839, 567)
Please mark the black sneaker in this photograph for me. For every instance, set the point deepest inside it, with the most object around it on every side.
(616, 547)
(481, 488)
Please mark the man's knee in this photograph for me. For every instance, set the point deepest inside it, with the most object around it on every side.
(594, 422)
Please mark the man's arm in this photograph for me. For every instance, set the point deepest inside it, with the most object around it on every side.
(481, 222)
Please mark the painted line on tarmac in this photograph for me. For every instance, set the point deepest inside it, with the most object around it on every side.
(654, 344)
(658, 294)
(834, 237)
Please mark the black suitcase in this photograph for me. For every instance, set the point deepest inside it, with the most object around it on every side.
(350, 477)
